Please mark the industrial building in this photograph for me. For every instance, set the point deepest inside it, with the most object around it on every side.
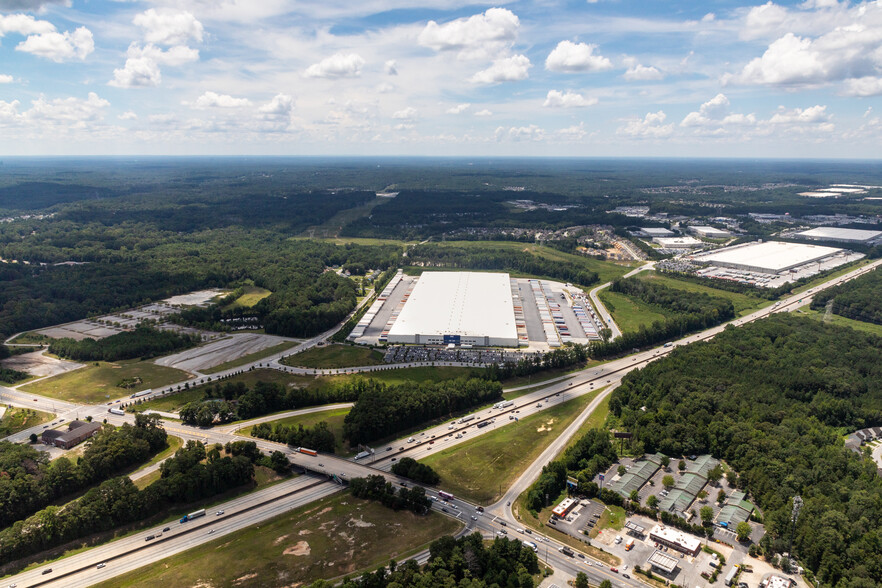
(770, 257)
(675, 539)
(709, 232)
(737, 509)
(653, 232)
(77, 432)
(840, 235)
(470, 308)
(678, 242)
(637, 476)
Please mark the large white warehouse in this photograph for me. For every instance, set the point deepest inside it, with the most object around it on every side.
(842, 235)
(771, 257)
(472, 308)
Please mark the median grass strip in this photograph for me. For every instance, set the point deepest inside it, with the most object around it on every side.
(335, 356)
(97, 382)
(336, 536)
(251, 357)
(333, 417)
(480, 470)
(19, 419)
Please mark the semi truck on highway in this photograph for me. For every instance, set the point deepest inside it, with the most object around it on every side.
(483, 424)
(362, 455)
(567, 551)
(466, 418)
(142, 393)
(193, 515)
(117, 411)
(531, 545)
(506, 404)
(306, 451)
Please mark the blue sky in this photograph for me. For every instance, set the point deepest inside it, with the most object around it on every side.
(446, 77)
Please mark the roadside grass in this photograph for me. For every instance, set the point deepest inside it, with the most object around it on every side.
(339, 535)
(145, 481)
(252, 295)
(31, 337)
(595, 421)
(613, 517)
(333, 417)
(174, 443)
(18, 419)
(335, 356)
(629, 313)
(535, 380)
(743, 303)
(414, 374)
(250, 357)
(481, 469)
(841, 321)
(173, 401)
(97, 381)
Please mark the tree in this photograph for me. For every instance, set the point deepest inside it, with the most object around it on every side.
(33, 438)
(681, 466)
(743, 530)
(582, 580)
(721, 496)
(665, 462)
(606, 584)
(707, 514)
(622, 469)
(714, 474)
(652, 501)
(605, 334)
(668, 482)
(702, 495)
(635, 496)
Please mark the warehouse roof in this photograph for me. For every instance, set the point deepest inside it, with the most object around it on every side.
(459, 303)
(838, 234)
(770, 255)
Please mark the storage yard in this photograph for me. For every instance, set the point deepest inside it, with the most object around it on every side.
(478, 309)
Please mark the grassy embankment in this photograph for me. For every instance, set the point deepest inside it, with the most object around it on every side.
(336, 536)
(97, 382)
(18, 419)
(629, 313)
(334, 418)
(835, 319)
(743, 303)
(253, 295)
(334, 356)
(481, 469)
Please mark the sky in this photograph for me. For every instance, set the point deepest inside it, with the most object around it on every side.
(646, 78)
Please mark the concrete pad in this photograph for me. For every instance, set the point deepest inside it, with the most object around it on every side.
(218, 352)
(200, 298)
(38, 364)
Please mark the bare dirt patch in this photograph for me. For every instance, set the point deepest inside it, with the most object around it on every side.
(301, 548)
(359, 523)
(545, 427)
(218, 352)
(244, 578)
(280, 539)
(38, 364)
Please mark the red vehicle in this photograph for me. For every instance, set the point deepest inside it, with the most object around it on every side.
(446, 496)
(306, 451)
(616, 570)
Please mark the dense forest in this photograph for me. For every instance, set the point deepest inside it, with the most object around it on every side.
(190, 475)
(11, 376)
(431, 255)
(30, 482)
(416, 471)
(144, 342)
(383, 409)
(857, 299)
(467, 562)
(773, 400)
(674, 300)
(378, 488)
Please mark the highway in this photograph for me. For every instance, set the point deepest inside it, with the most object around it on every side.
(133, 552)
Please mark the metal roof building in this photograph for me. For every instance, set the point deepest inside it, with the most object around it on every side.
(662, 562)
(638, 475)
(840, 235)
(474, 308)
(770, 257)
(709, 232)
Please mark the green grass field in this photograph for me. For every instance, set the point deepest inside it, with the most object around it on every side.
(415, 374)
(336, 536)
(333, 417)
(595, 421)
(18, 419)
(743, 303)
(250, 357)
(335, 356)
(173, 402)
(629, 313)
(94, 384)
(841, 321)
(252, 295)
(483, 468)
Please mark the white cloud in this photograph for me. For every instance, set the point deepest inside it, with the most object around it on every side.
(477, 37)
(339, 65)
(507, 69)
(24, 24)
(812, 115)
(9, 111)
(484, 112)
(715, 114)
(213, 100)
(576, 57)
(649, 127)
(169, 27)
(568, 99)
(128, 115)
(67, 110)
(789, 60)
(865, 86)
(573, 133)
(528, 133)
(60, 46)
(637, 72)
(391, 68)
(408, 113)
(458, 109)
(280, 105)
(5, 79)
(142, 65)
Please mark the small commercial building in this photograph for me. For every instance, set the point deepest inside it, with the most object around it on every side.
(564, 508)
(736, 509)
(775, 581)
(662, 562)
(709, 232)
(675, 539)
(77, 432)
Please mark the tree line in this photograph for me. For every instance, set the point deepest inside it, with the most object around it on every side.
(772, 399)
(144, 342)
(318, 437)
(416, 471)
(856, 299)
(468, 561)
(377, 488)
(563, 357)
(386, 409)
(11, 376)
(192, 474)
(674, 300)
(30, 481)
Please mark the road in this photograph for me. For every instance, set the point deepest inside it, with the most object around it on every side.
(601, 309)
(133, 552)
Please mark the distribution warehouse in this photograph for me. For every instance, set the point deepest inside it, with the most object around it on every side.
(471, 308)
(771, 257)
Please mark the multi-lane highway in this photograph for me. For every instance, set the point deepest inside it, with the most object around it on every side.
(133, 552)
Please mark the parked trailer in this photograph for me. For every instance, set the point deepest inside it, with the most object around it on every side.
(466, 418)
(306, 451)
(730, 577)
(117, 411)
(142, 393)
